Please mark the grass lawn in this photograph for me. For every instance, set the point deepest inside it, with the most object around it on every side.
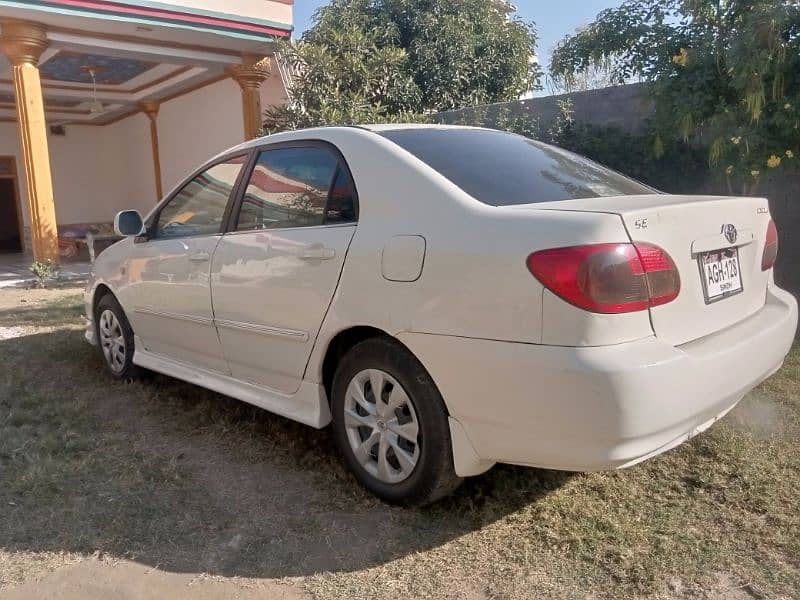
(175, 477)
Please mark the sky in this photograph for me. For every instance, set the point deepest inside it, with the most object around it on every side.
(554, 18)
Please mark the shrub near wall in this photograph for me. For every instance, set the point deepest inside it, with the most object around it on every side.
(679, 170)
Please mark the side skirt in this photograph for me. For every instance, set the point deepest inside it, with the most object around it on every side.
(309, 405)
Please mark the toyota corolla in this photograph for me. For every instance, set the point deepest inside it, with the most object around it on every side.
(447, 298)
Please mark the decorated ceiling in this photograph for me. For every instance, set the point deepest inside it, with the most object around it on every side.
(74, 67)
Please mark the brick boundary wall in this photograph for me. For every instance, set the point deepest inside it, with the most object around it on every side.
(624, 106)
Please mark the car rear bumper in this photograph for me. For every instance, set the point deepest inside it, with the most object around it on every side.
(597, 408)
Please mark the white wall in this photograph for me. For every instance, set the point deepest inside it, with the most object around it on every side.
(195, 127)
(132, 164)
(273, 91)
(97, 171)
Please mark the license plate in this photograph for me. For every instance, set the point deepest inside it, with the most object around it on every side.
(720, 272)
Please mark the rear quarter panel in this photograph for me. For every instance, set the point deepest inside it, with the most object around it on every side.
(474, 281)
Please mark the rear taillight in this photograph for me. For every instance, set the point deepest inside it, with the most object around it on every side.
(770, 247)
(608, 278)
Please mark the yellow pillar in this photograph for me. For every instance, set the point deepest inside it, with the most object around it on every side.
(150, 108)
(250, 75)
(23, 43)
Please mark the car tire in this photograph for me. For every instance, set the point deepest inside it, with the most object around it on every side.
(397, 444)
(114, 338)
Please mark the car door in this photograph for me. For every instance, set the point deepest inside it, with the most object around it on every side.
(169, 270)
(275, 272)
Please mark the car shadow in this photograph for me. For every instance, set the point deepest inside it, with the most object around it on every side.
(175, 476)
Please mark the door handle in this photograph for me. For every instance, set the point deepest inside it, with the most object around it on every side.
(200, 257)
(318, 253)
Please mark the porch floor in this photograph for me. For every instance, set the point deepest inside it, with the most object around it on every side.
(15, 270)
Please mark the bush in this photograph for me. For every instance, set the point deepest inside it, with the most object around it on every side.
(44, 271)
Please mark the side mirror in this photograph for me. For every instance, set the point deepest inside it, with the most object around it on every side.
(129, 223)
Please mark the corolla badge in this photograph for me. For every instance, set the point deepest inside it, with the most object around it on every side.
(730, 233)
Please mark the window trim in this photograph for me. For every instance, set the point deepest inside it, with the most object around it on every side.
(256, 151)
(331, 188)
(152, 221)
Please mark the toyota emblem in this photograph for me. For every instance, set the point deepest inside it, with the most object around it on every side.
(730, 233)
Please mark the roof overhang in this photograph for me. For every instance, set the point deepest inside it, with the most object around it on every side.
(148, 14)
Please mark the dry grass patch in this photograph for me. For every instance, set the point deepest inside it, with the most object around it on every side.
(167, 474)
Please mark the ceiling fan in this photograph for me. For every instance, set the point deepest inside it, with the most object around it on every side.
(96, 108)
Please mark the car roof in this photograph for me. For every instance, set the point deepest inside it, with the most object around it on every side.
(372, 127)
(309, 133)
(379, 127)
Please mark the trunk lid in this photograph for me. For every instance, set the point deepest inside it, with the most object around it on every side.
(690, 229)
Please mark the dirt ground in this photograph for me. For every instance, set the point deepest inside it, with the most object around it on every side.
(93, 578)
(156, 488)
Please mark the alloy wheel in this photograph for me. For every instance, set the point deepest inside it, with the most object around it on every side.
(382, 426)
(112, 340)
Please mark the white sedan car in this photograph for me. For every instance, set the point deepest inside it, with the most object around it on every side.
(448, 298)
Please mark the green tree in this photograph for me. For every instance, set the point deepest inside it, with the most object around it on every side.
(723, 73)
(379, 60)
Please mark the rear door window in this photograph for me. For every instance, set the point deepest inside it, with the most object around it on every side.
(289, 187)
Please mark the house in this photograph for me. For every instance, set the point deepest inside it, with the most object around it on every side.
(106, 105)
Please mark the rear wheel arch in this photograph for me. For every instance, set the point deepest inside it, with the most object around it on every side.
(348, 338)
(339, 345)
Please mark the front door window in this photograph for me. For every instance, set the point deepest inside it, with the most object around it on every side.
(199, 208)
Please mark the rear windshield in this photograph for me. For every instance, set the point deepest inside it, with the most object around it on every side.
(501, 168)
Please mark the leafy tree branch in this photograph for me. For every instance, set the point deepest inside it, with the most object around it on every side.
(723, 73)
(379, 60)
